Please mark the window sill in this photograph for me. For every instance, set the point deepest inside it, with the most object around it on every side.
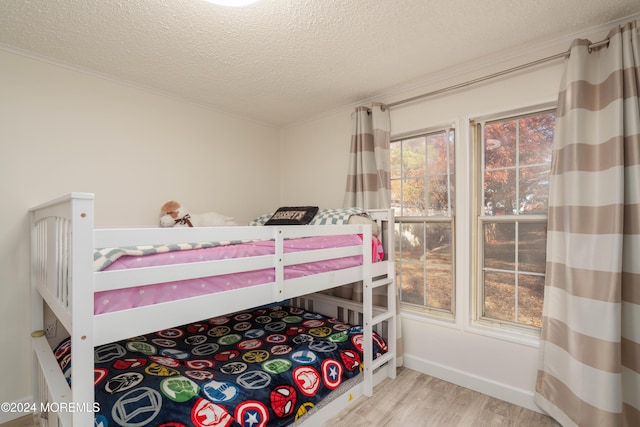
(428, 317)
(505, 333)
(490, 330)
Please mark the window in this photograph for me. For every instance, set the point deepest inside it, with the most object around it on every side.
(514, 165)
(422, 184)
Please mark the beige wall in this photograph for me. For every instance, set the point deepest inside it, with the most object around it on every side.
(314, 159)
(64, 131)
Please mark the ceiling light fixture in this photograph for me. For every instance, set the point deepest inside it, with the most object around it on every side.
(232, 3)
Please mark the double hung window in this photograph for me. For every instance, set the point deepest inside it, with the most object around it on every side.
(422, 194)
(508, 210)
(511, 222)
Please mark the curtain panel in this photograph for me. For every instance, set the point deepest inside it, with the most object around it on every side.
(590, 341)
(368, 186)
(369, 162)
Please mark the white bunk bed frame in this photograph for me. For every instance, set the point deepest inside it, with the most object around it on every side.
(63, 239)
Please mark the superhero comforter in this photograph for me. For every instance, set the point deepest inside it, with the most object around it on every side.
(260, 367)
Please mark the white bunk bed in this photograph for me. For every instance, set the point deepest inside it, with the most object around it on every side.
(63, 239)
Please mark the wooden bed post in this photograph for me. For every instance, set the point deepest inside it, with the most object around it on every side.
(62, 276)
(82, 338)
(367, 299)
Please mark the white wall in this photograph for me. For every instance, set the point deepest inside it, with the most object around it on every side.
(315, 161)
(64, 131)
(452, 351)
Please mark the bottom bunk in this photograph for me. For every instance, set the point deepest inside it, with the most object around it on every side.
(272, 366)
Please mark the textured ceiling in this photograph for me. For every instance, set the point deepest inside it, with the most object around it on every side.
(280, 61)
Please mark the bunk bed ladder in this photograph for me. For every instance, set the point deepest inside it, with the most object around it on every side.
(370, 322)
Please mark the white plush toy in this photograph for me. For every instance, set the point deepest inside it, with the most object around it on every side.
(173, 214)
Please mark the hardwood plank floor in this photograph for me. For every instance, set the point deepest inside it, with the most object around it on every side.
(418, 400)
(26, 421)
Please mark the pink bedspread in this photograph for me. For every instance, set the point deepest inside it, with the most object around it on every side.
(121, 299)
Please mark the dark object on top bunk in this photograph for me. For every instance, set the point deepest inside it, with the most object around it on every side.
(299, 215)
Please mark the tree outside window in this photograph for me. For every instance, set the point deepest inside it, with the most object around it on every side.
(422, 190)
(515, 167)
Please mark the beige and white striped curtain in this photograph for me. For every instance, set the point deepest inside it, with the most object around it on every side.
(590, 344)
(368, 184)
(369, 161)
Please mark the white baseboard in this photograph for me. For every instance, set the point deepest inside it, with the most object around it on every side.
(516, 396)
(11, 412)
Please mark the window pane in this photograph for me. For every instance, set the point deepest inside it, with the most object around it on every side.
(422, 187)
(536, 138)
(437, 153)
(438, 195)
(396, 196)
(414, 158)
(413, 196)
(499, 296)
(530, 298)
(499, 245)
(534, 189)
(411, 240)
(425, 270)
(439, 261)
(410, 253)
(411, 279)
(500, 191)
(452, 198)
(439, 286)
(515, 168)
(532, 245)
(500, 144)
(517, 159)
(395, 153)
(439, 248)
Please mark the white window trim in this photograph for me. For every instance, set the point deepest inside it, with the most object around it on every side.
(426, 314)
(467, 243)
(465, 218)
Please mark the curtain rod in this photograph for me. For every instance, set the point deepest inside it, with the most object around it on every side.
(490, 76)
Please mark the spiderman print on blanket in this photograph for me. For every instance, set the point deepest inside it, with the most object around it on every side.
(266, 366)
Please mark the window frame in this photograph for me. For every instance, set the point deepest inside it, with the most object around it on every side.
(425, 310)
(511, 331)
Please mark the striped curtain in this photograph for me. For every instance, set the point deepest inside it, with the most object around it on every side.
(369, 160)
(590, 343)
(368, 184)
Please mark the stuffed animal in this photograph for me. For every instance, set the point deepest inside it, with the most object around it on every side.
(173, 214)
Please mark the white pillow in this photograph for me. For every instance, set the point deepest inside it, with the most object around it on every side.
(362, 219)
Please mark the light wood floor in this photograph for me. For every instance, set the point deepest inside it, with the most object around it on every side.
(418, 400)
(26, 421)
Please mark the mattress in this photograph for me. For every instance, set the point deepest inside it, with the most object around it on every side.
(269, 365)
(119, 259)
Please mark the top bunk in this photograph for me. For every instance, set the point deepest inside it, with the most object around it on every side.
(106, 284)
